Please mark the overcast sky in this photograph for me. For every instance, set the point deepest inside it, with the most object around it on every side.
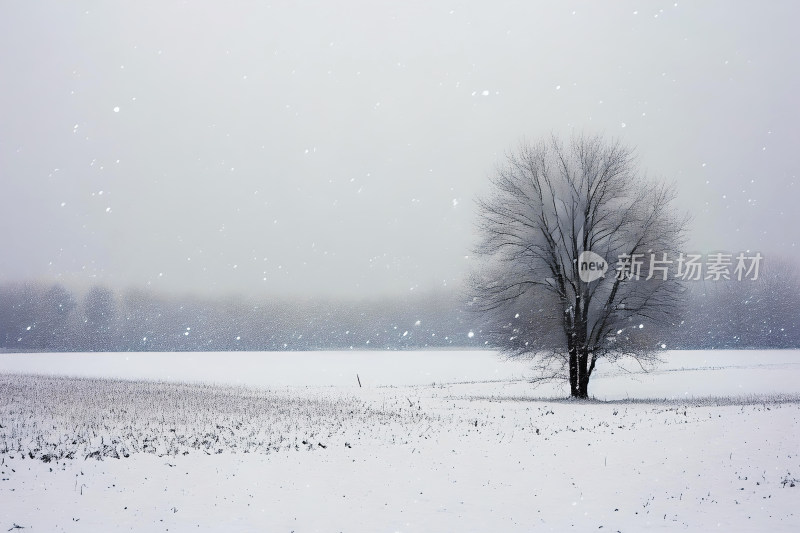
(337, 148)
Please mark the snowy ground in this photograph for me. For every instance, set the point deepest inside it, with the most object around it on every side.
(289, 442)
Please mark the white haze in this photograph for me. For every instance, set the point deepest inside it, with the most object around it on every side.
(336, 148)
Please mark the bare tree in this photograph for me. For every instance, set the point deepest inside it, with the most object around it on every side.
(551, 202)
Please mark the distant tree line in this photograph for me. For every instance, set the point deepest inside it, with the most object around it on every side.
(50, 318)
(764, 313)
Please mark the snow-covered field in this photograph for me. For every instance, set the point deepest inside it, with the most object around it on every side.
(432, 441)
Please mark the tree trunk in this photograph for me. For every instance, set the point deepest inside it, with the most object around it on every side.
(573, 372)
(582, 389)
